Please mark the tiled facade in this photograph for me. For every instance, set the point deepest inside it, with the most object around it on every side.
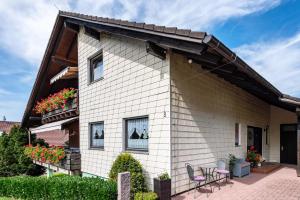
(204, 111)
(192, 113)
(135, 84)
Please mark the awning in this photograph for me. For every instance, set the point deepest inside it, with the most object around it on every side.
(67, 73)
(53, 126)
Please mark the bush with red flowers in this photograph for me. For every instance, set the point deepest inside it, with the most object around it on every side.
(52, 154)
(55, 101)
(253, 156)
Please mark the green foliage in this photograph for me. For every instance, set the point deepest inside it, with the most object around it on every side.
(164, 176)
(232, 160)
(126, 163)
(60, 188)
(60, 175)
(146, 196)
(13, 161)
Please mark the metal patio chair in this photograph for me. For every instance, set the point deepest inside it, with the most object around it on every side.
(197, 180)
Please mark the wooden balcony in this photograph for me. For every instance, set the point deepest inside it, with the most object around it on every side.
(71, 164)
(70, 110)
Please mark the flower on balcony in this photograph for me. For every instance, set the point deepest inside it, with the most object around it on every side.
(55, 101)
(53, 154)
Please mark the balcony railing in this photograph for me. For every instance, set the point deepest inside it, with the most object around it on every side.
(69, 110)
(70, 164)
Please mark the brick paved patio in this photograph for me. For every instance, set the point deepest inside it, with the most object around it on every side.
(282, 184)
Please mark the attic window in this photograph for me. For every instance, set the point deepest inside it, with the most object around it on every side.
(96, 67)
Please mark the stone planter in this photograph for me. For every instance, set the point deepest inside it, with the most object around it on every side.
(162, 188)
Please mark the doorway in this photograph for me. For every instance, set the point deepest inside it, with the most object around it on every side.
(288, 143)
(254, 138)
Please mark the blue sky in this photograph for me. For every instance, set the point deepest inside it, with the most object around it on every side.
(265, 33)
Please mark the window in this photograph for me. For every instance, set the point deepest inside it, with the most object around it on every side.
(97, 135)
(237, 134)
(136, 134)
(96, 67)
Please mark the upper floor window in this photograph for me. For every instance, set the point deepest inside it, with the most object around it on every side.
(96, 67)
(97, 135)
(136, 134)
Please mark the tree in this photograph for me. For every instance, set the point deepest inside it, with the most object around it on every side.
(12, 158)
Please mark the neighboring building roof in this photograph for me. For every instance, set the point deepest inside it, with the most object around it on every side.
(5, 126)
(199, 46)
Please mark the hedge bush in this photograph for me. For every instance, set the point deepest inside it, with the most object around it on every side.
(146, 196)
(126, 163)
(60, 188)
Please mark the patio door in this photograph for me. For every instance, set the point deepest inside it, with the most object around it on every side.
(288, 143)
(254, 138)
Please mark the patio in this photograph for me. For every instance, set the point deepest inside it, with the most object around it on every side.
(278, 185)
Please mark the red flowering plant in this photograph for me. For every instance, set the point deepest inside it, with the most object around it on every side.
(55, 101)
(53, 154)
(253, 156)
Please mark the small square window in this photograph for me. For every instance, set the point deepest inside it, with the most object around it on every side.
(96, 67)
(237, 134)
(136, 134)
(97, 135)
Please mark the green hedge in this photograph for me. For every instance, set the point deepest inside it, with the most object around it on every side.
(60, 188)
(146, 196)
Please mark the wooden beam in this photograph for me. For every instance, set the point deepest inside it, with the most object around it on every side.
(71, 27)
(62, 61)
(92, 32)
(155, 50)
(74, 41)
(189, 46)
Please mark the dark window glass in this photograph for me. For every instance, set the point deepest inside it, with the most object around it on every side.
(96, 68)
(237, 134)
(136, 132)
(97, 135)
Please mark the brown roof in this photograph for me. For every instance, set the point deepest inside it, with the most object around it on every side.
(5, 126)
(138, 25)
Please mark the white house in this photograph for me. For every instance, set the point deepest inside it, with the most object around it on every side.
(169, 96)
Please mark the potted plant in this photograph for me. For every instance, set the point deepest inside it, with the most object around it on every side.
(232, 160)
(253, 157)
(162, 186)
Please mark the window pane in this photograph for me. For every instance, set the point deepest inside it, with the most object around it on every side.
(237, 134)
(97, 135)
(98, 69)
(137, 133)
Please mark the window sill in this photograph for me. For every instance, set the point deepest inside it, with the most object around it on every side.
(137, 152)
(95, 81)
(237, 145)
(96, 148)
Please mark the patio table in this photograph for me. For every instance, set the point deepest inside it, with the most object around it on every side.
(208, 171)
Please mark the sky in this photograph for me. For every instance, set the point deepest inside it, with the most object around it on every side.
(265, 33)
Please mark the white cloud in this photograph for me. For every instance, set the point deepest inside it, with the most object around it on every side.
(26, 25)
(277, 61)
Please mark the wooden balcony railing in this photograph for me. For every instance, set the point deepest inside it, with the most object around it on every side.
(71, 164)
(70, 110)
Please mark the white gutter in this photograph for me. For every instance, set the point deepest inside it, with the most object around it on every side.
(290, 101)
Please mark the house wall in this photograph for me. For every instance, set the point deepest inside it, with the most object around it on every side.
(204, 110)
(278, 116)
(135, 83)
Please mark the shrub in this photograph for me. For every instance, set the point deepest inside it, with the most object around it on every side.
(126, 163)
(68, 187)
(12, 159)
(164, 176)
(145, 196)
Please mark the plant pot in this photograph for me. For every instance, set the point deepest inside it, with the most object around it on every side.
(162, 188)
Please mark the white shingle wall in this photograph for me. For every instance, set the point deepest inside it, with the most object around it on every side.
(135, 84)
(204, 111)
